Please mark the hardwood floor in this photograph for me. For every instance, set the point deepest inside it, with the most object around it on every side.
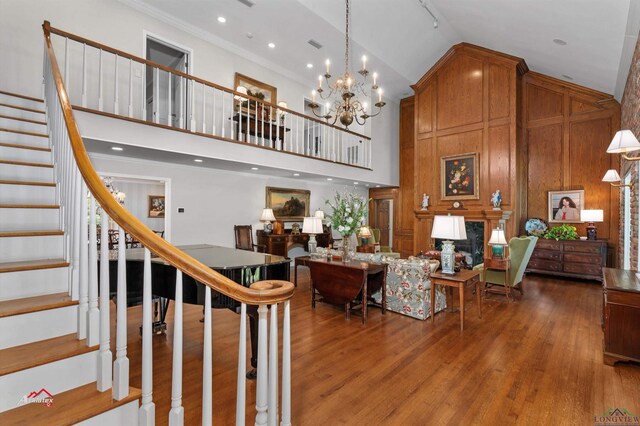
(536, 361)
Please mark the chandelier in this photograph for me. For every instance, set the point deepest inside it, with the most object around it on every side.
(346, 106)
(117, 194)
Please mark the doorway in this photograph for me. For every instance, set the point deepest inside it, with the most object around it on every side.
(166, 94)
(312, 132)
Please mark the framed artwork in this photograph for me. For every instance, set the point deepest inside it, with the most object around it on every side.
(289, 205)
(258, 90)
(156, 206)
(459, 177)
(565, 206)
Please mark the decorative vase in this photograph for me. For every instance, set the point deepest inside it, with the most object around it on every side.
(345, 249)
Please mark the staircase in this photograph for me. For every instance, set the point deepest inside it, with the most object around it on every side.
(42, 357)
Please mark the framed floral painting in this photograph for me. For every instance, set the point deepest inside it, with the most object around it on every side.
(459, 177)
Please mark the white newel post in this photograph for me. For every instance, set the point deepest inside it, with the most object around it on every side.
(207, 363)
(261, 383)
(104, 357)
(286, 366)
(147, 411)
(93, 315)
(176, 414)
(83, 307)
(241, 392)
(273, 366)
(121, 364)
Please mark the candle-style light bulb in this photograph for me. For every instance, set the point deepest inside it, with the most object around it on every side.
(349, 84)
(364, 62)
(313, 96)
(319, 81)
(327, 106)
(364, 107)
(379, 95)
(375, 78)
(327, 63)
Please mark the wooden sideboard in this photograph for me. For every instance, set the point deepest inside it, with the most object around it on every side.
(578, 258)
(280, 244)
(621, 316)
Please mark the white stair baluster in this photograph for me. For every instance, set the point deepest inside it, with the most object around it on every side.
(93, 314)
(182, 103)
(76, 235)
(121, 364)
(147, 411)
(84, 75)
(261, 382)
(207, 363)
(176, 414)
(192, 111)
(286, 366)
(143, 88)
(156, 95)
(66, 62)
(241, 392)
(100, 70)
(130, 110)
(213, 113)
(116, 99)
(83, 306)
(169, 120)
(204, 108)
(273, 367)
(104, 357)
(222, 115)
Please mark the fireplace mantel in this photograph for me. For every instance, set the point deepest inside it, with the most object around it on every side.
(492, 219)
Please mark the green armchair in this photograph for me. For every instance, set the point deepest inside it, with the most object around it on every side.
(520, 250)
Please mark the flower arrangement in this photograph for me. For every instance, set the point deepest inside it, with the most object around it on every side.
(562, 232)
(459, 178)
(349, 211)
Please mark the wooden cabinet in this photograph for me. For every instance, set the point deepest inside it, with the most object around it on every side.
(578, 259)
(621, 316)
(280, 244)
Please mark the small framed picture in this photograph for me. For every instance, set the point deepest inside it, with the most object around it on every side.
(459, 177)
(565, 206)
(156, 206)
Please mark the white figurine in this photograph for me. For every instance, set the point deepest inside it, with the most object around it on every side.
(425, 201)
(496, 199)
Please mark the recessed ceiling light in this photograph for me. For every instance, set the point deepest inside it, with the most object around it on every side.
(568, 77)
(309, 65)
(559, 41)
(355, 183)
(222, 19)
(197, 160)
(117, 148)
(329, 179)
(271, 45)
(296, 174)
(254, 168)
(377, 186)
(249, 35)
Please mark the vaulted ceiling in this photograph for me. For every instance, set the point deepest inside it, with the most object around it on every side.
(401, 43)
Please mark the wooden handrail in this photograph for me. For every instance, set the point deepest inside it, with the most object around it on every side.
(53, 30)
(278, 291)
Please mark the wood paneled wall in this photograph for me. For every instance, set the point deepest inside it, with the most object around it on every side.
(469, 102)
(567, 129)
(406, 202)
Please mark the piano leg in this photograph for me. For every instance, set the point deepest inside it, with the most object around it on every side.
(252, 313)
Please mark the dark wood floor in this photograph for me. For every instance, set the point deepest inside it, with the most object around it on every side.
(536, 361)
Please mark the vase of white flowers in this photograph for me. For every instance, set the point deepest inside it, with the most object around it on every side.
(349, 212)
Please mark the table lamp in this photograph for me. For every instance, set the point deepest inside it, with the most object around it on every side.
(319, 213)
(591, 216)
(365, 234)
(267, 217)
(240, 99)
(281, 113)
(497, 243)
(312, 226)
(448, 228)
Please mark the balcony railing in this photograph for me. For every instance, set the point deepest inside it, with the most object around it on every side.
(109, 81)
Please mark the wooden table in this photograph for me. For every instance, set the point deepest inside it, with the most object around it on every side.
(497, 265)
(621, 315)
(341, 282)
(459, 280)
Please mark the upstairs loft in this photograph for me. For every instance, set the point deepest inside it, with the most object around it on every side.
(210, 124)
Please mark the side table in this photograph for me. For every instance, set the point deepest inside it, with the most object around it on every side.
(497, 265)
(459, 280)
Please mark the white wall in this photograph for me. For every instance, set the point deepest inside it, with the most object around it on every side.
(215, 200)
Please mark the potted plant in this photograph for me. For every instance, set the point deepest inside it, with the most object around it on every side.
(561, 232)
(349, 212)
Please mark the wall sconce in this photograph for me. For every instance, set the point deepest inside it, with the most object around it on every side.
(624, 141)
(613, 176)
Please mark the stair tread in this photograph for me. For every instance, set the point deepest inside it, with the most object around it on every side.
(25, 233)
(22, 132)
(26, 182)
(35, 304)
(29, 206)
(21, 108)
(31, 147)
(26, 120)
(30, 265)
(17, 95)
(25, 163)
(70, 407)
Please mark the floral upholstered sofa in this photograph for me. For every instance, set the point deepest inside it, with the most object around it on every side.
(408, 286)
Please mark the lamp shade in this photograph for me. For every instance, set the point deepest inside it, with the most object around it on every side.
(591, 215)
(240, 89)
(611, 176)
(267, 215)
(312, 225)
(449, 228)
(497, 237)
(623, 141)
(282, 104)
(365, 232)
(319, 214)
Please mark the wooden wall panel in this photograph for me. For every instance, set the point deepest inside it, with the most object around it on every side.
(545, 167)
(424, 119)
(499, 85)
(499, 174)
(460, 99)
(406, 198)
(543, 103)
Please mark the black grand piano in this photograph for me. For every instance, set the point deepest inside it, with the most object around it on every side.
(241, 266)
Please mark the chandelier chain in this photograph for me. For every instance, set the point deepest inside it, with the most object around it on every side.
(346, 47)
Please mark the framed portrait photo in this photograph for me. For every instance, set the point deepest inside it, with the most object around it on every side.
(459, 177)
(288, 205)
(565, 206)
(156, 206)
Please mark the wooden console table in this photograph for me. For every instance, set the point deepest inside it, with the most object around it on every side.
(577, 258)
(269, 130)
(460, 280)
(621, 315)
(280, 244)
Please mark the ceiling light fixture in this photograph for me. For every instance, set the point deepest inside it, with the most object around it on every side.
(222, 19)
(271, 45)
(197, 160)
(329, 178)
(309, 65)
(296, 174)
(435, 20)
(559, 42)
(346, 106)
(254, 168)
(117, 148)
(355, 183)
